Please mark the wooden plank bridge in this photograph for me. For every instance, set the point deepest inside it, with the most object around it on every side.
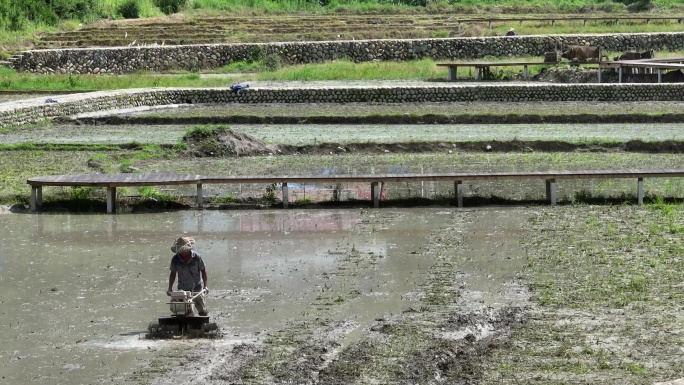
(112, 181)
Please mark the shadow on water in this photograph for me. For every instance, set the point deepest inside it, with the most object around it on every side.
(133, 206)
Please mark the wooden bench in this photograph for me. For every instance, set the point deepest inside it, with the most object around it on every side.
(653, 64)
(483, 68)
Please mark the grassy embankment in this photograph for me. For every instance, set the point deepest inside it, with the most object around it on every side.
(424, 69)
(608, 284)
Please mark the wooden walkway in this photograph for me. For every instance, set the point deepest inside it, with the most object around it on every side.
(112, 181)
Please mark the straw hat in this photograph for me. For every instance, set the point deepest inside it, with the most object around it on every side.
(510, 29)
(182, 244)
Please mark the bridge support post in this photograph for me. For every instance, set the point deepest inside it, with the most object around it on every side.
(660, 75)
(525, 73)
(551, 191)
(620, 74)
(452, 73)
(36, 197)
(640, 191)
(286, 196)
(200, 196)
(458, 192)
(375, 194)
(111, 200)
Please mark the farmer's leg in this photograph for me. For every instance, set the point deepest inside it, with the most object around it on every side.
(199, 304)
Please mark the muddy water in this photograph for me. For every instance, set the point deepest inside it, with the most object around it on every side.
(313, 134)
(78, 291)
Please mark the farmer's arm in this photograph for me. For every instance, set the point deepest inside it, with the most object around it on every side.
(204, 279)
(172, 279)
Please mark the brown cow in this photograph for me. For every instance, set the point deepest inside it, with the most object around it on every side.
(650, 54)
(582, 53)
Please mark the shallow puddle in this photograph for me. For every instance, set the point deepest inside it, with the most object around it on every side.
(78, 291)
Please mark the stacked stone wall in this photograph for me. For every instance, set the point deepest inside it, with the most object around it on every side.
(202, 57)
(36, 110)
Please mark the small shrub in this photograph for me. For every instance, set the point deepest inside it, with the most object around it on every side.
(73, 81)
(273, 62)
(130, 9)
(257, 54)
(123, 167)
(80, 193)
(270, 195)
(226, 199)
(205, 131)
(171, 6)
(150, 192)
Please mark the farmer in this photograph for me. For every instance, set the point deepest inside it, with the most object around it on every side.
(190, 269)
(511, 32)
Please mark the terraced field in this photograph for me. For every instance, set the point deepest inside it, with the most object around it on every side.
(588, 292)
(208, 29)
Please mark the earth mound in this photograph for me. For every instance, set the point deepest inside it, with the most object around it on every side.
(226, 142)
(567, 74)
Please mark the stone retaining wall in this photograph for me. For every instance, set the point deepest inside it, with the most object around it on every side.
(195, 57)
(36, 110)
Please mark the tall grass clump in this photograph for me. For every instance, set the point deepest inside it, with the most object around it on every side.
(130, 9)
(171, 6)
(18, 15)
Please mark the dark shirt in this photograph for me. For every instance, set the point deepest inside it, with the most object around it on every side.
(510, 33)
(189, 275)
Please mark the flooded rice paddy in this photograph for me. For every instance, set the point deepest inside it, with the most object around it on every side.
(362, 109)
(78, 291)
(311, 134)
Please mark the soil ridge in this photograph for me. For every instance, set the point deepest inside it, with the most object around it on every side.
(382, 119)
(225, 142)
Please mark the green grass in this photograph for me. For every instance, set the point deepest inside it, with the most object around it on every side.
(11, 80)
(424, 69)
(586, 265)
(57, 147)
(347, 70)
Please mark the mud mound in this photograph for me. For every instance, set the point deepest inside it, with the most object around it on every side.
(226, 142)
(567, 74)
